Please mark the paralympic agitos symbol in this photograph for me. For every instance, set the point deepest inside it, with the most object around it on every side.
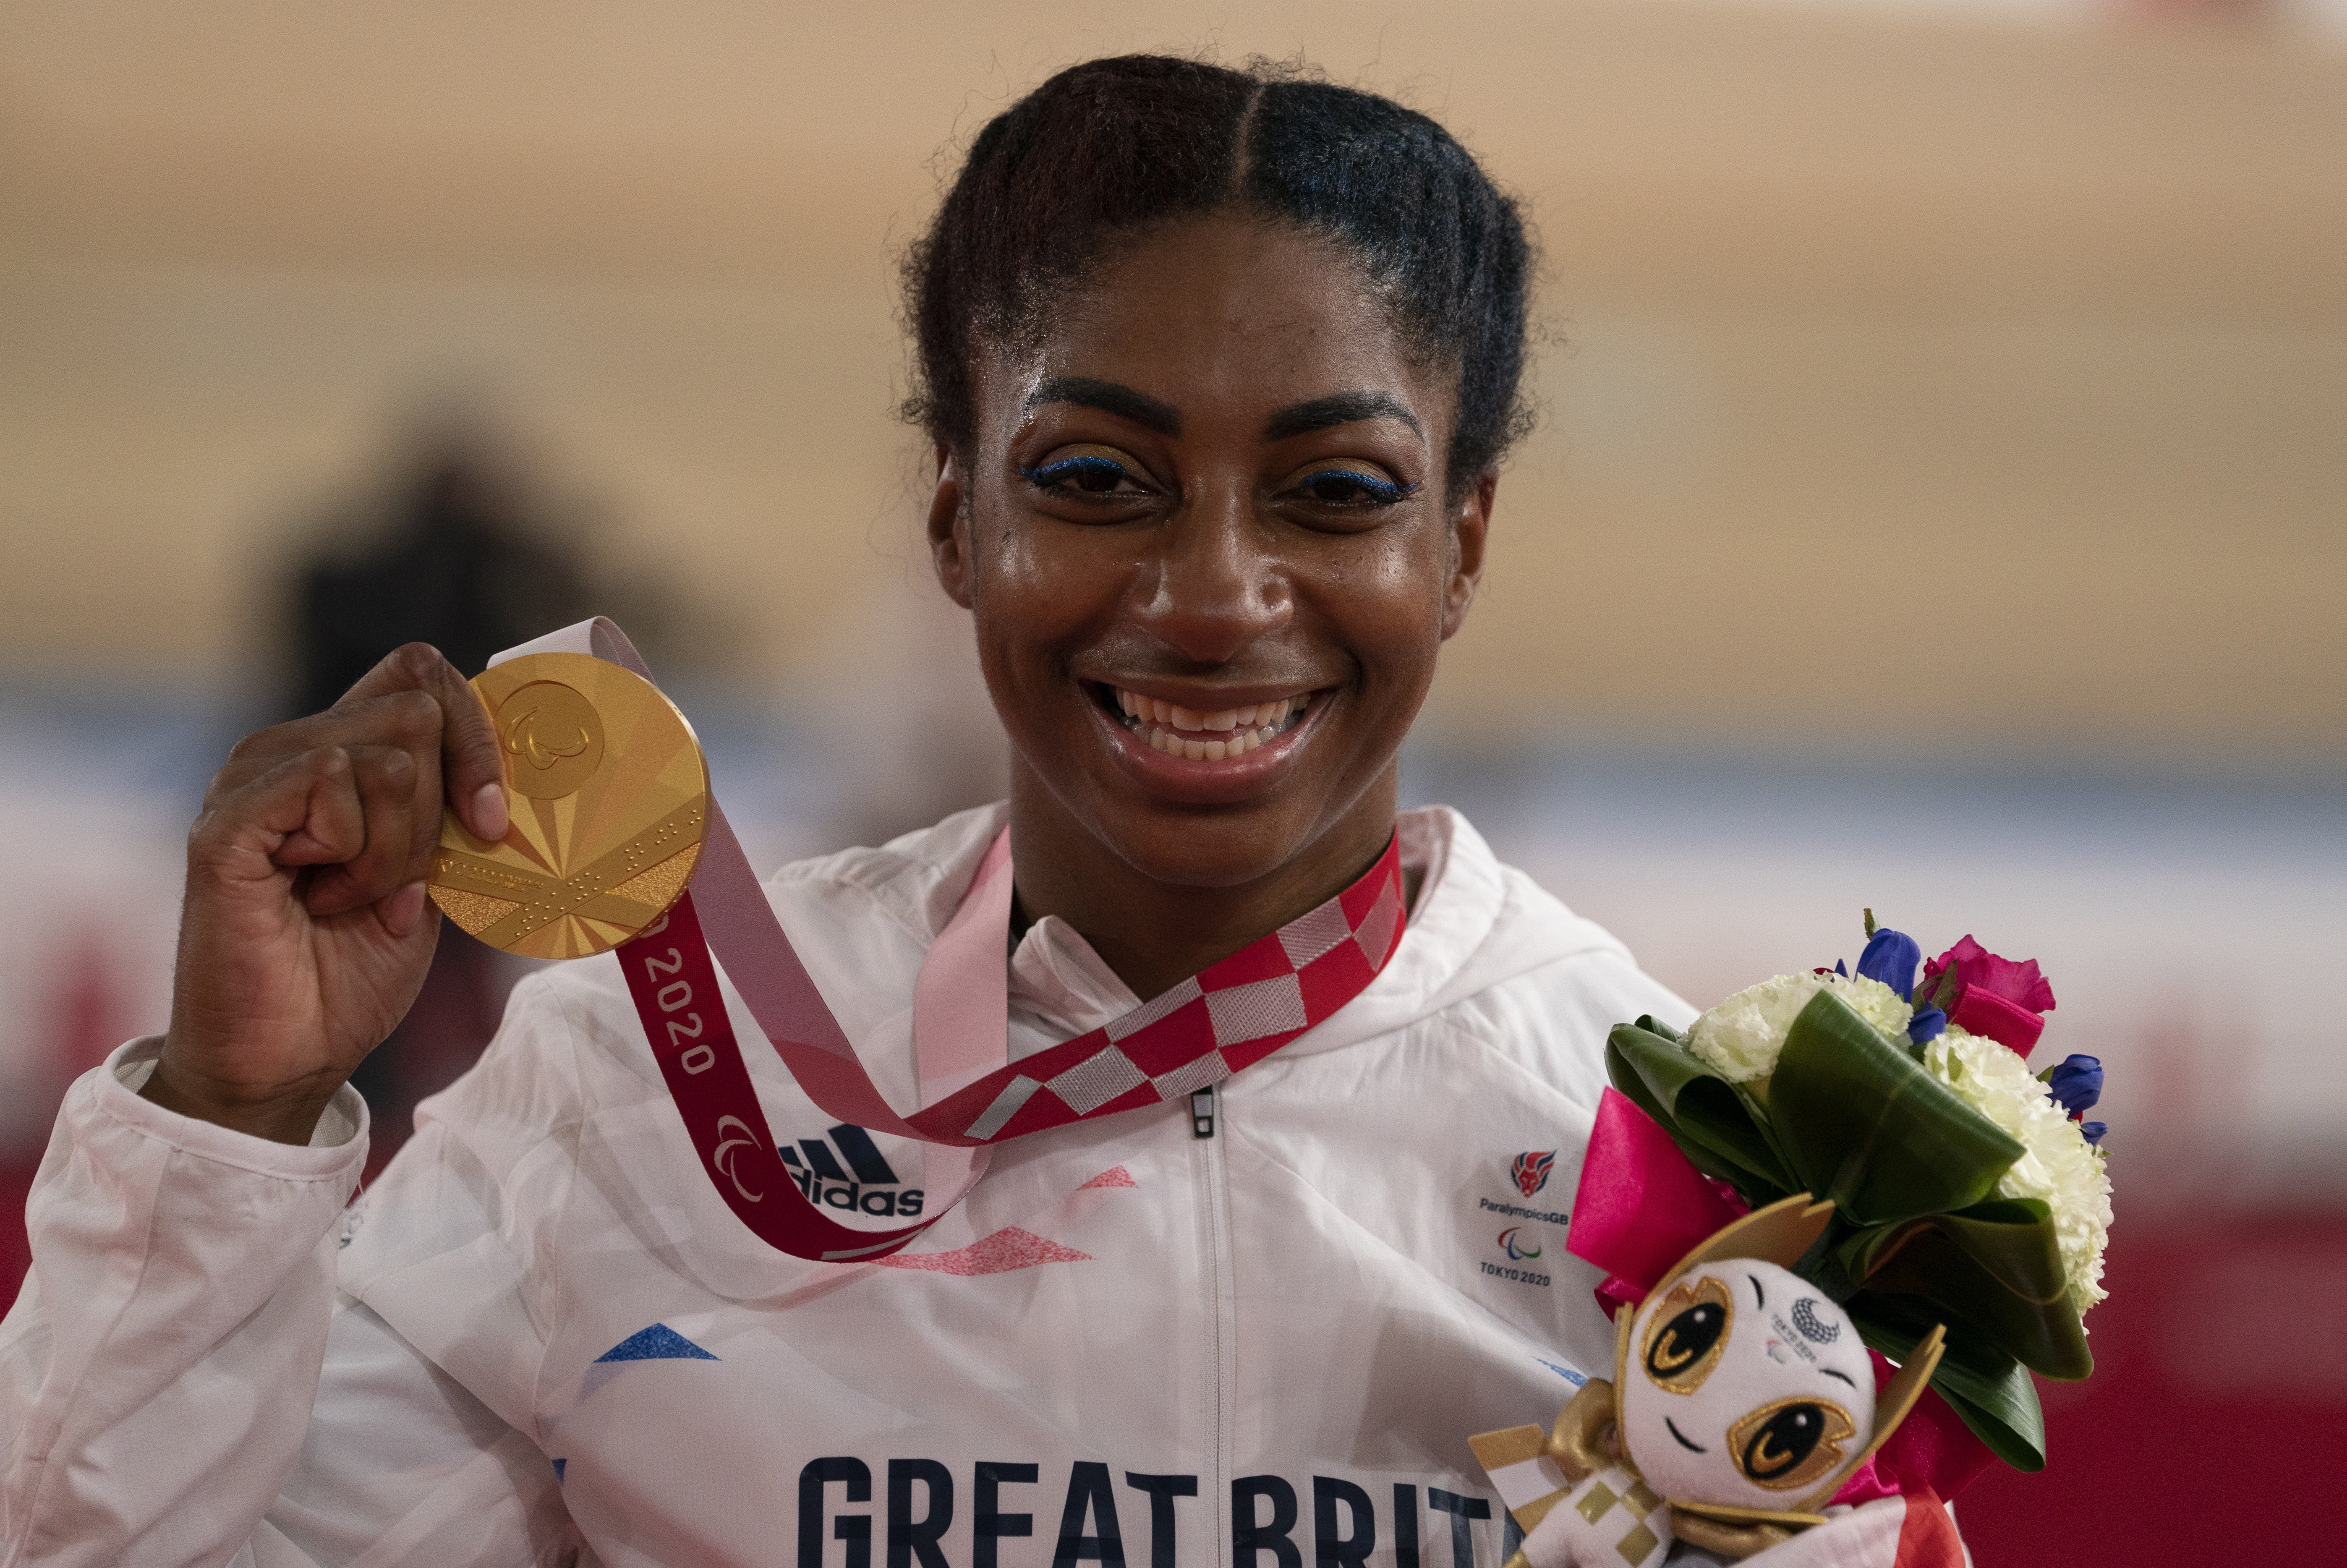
(521, 739)
(734, 1134)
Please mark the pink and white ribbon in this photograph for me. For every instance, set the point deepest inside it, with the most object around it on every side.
(1226, 1016)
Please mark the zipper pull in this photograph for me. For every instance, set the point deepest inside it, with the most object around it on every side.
(1201, 1112)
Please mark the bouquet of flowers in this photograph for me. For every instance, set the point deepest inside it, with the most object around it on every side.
(1968, 1191)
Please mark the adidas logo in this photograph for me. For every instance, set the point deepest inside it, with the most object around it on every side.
(867, 1184)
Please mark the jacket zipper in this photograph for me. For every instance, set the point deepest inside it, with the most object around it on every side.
(1215, 1228)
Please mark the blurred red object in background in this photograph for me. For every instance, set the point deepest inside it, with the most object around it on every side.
(90, 1014)
(16, 1251)
(2211, 1431)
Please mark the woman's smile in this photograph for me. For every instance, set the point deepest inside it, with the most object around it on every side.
(1212, 749)
(1208, 732)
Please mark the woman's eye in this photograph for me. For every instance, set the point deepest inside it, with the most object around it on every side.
(1349, 487)
(1097, 473)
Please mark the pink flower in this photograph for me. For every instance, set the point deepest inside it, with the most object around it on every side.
(1984, 994)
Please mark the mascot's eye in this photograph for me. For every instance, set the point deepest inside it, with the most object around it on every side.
(1790, 1442)
(1687, 1335)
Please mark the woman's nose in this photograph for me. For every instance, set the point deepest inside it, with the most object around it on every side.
(1217, 586)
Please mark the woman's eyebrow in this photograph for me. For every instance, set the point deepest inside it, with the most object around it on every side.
(1339, 408)
(1109, 397)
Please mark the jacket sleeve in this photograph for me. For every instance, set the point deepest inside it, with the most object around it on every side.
(177, 1386)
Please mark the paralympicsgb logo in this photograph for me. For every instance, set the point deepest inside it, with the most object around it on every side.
(1531, 1170)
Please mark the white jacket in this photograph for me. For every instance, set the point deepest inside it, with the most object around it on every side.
(541, 1337)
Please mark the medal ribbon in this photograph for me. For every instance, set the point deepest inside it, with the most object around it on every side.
(1229, 1016)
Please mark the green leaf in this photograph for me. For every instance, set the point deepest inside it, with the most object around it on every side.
(1753, 1097)
(1627, 1079)
(1702, 1112)
(1996, 1265)
(1989, 1390)
(1861, 1123)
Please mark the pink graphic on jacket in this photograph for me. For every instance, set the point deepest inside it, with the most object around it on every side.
(1011, 1247)
(999, 1253)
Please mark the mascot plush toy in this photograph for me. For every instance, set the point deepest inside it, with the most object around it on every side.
(1742, 1399)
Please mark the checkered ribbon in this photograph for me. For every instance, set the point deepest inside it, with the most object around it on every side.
(1227, 1015)
(1222, 1018)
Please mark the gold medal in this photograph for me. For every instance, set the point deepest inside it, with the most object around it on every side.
(609, 799)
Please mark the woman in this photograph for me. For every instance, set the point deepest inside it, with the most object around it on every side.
(1219, 366)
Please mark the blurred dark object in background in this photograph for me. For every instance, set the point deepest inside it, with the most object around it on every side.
(458, 562)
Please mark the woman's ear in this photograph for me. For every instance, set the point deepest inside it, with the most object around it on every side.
(949, 529)
(1470, 528)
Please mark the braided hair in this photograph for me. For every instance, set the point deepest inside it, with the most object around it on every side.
(1104, 152)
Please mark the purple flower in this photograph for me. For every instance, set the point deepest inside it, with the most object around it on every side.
(1928, 1024)
(2075, 1083)
(1891, 957)
(2093, 1132)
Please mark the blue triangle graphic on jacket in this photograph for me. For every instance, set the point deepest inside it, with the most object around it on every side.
(657, 1343)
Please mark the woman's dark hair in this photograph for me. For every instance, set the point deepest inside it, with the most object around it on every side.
(1107, 149)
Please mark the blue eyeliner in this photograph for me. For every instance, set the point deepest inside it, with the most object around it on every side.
(1382, 492)
(1047, 475)
(1073, 471)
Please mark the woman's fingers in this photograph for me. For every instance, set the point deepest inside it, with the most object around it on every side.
(414, 734)
(304, 811)
(470, 764)
(402, 910)
(385, 783)
(349, 812)
(473, 762)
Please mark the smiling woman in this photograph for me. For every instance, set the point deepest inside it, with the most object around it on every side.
(1218, 368)
(1209, 486)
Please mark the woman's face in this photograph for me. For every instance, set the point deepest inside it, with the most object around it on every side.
(1203, 535)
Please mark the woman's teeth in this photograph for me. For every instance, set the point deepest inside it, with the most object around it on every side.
(1208, 737)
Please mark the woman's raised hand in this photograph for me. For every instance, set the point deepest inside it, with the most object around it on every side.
(306, 932)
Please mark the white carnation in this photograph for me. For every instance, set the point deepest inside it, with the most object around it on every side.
(1741, 1038)
(2057, 1164)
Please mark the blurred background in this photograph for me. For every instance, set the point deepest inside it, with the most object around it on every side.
(1939, 506)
